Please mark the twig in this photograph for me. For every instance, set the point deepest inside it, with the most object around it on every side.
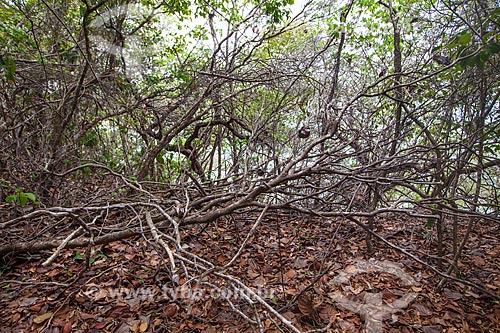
(432, 268)
(35, 283)
(154, 232)
(61, 247)
(249, 234)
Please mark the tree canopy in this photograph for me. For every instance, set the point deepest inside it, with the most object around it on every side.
(187, 112)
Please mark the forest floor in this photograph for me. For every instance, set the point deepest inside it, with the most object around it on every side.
(123, 286)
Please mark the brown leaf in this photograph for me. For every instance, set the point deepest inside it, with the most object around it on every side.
(170, 310)
(300, 263)
(431, 329)
(478, 261)
(439, 321)
(452, 295)
(144, 323)
(134, 325)
(53, 273)
(328, 313)
(221, 259)
(388, 295)
(100, 325)
(253, 274)
(67, 327)
(36, 307)
(317, 265)
(497, 313)
(305, 305)
(290, 316)
(123, 328)
(350, 269)
(28, 301)
(86, 316)
(347, 326)
(289, 275)
(16, 317)
(422, 309)
(267, 269)
(259, 281)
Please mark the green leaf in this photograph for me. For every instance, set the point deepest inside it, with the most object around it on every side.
(484, 55)
(494, 48)
(78, 255)
(495, 12)
(437, 48)
(30, 196)
(160, 159)
(468, 62)
(10, 198)
(9, 68)
(21, 199)
(465, 38)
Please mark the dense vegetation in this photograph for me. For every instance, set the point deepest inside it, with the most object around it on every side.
(122, 118)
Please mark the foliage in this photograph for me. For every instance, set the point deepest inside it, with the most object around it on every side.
(21, 198)
(148, 118)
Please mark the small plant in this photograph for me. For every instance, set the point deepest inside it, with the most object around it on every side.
(78, 256)
(21, 198)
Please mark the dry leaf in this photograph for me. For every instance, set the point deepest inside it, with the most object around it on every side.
(40, 319)
(422, 309)
(347, 326)
(143, 327)
(221, 259)
(36, 307)
(267, 269)
(16, 317)
(452, 295)
(300, 263)
(328, 313)
(170, 310)
(134, 326)
(305, 305)
(28, 301)
(101, 324)
(317, 265)
(350, 269)
(431, 329)
(67, 327)
(289, 275)
(259, 281)
(144, 320)
(53, 273)
(478, 261)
